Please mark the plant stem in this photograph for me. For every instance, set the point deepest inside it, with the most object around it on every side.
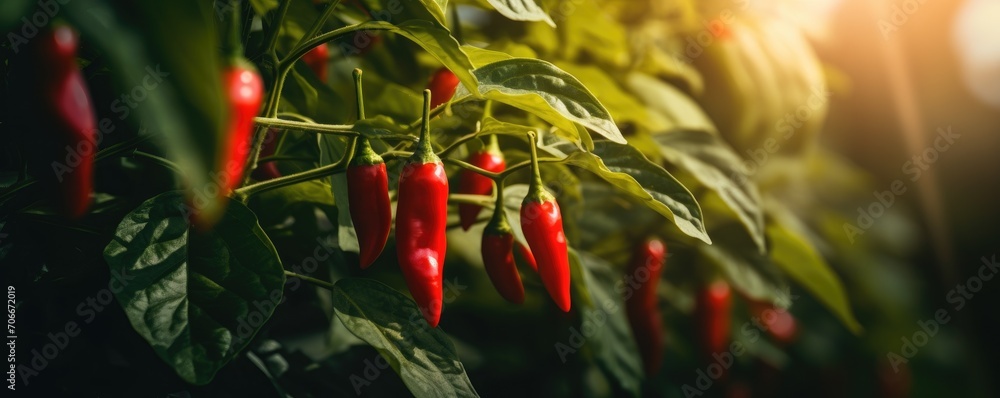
(244, 193)
(478, 200)
(272, 35)
(510, 170)
(454, 145)
(334, 129)
(158, 160)
(320, 283)
(280, 158)
(478, 170)
(318, 23)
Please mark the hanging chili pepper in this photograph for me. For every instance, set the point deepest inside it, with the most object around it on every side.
(490, 158)
(70, 116)
(526, 255)
(243, 91)
(641, 304)
(541, 223)
(712, 311)
(368, 193)
(317, 60)
(421, 219)
(778, 322)
(442, 85)
(498, 255)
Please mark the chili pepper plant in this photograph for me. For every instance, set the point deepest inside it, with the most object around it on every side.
(327, 198)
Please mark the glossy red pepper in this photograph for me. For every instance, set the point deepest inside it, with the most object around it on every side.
(642, 305)
(244, 92)
(490, 158)
(498, 256)
(368, 193)
(712, 307)
(526, 255)
(421, 220)
(541, 223)
(442, 85)
(317, 59)
(66, 101)
(268, 170)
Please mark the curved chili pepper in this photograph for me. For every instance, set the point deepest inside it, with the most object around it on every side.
(541, 223)
(712, 307)
(442, 85)
(67, 102)
(368, 193)
(489, 159)
(641, 304)
(498, 256)
(244, 92)
(317, 60)
(526, 255)
(421, 219)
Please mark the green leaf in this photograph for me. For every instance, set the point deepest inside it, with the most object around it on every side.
(437, 41)
(521, 10)
(178, 50)
(278, 204)
(628, 170)
(612, 343)
(494, 126)
(197, 298)
(713, 163)
(545, 90)
(623, 106)
(679, 110)
(481, 56)
(424, 357)
(738, 259)
(801, 262)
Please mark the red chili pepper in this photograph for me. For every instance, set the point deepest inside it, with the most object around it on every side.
(526, 255)
(317, 60)
(498, 256)
(421, 220)
(268, 170)
(368, 193)
(244, 91)
(67, 102)
(490, 158)
(778, 322)
(541, 223)
(712, 308)
(442, 85)
(641, 304)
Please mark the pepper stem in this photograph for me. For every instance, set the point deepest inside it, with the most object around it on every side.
(536, 191)
(233, 45)
(498, 224)
(364, 154)
(424, 152)
(358, 93)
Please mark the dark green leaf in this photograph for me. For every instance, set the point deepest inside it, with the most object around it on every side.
(749, 271)
(197, 298)
(550, 93)
(628, 170)
(613, 344)
(178, 50)
(10, 13)
(800, 261)
(713, 163)
(424, 357)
